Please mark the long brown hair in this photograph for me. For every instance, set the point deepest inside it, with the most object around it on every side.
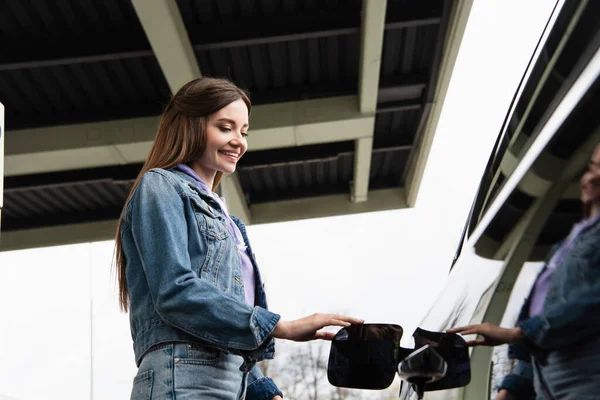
(180, 138)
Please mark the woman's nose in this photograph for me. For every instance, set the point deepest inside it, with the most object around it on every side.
(237, 141)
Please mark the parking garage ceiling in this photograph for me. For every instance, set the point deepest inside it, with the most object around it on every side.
(342, 92)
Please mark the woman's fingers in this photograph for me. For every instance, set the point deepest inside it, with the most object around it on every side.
(323, 320)
(479, 329)
(465, 330)
(324, 335)
(307, 328)
(493, 335)
(341, 320)
(337, 322)
(471, 331)
(351, 320)
(478, 342)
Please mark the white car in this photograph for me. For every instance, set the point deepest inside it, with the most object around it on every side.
(527, 200)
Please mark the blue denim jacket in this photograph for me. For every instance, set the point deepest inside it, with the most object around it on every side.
(571, 313)
(184, 276)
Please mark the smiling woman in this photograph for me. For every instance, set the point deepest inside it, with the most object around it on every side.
(187, 274)
(226, 130)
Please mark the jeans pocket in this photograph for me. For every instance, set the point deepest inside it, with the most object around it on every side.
(198, 354)
(142, 386)
(207, 376)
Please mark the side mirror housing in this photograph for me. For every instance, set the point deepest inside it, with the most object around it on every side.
(422, 366)
(368, 356)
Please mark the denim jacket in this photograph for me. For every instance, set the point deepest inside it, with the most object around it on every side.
(571, 313)
(184, 276)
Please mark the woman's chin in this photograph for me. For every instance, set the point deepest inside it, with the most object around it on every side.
(227, 170)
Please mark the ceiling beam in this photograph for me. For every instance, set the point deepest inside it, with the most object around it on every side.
(362, 169)
(451, 31)
(168, 37)
(58, 235)
(395, 90)
(373, 25)
(539, 177)
(289, 210)
(119, 142)
(326, 206)
(371, 46)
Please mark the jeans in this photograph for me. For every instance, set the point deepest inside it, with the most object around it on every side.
(570, 373)
(186, 371)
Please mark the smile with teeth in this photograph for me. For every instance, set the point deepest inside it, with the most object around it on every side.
(229, 154)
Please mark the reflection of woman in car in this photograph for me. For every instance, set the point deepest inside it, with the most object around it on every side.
(557, 337)
(187, 274)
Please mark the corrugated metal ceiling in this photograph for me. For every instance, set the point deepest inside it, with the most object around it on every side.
(68, 61)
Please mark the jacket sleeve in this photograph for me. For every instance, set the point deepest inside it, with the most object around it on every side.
(520, 381)
(181, 298)
(260, 387)
(575, 318)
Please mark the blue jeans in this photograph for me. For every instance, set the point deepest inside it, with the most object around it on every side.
(570, 374)
(186, 371)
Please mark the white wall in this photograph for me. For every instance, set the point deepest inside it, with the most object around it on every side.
(45, 314)
(62, 334)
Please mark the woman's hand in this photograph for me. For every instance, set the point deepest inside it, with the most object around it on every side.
(502, 395)
(278, 397)
(307, 328)
(493, 335)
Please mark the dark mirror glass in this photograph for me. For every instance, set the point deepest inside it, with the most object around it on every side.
(364, 356)
(422, 366)
(454, 350)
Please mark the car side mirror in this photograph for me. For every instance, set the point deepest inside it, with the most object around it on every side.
(454, 350)
(367, 356)
(364, 356)
(423, 366)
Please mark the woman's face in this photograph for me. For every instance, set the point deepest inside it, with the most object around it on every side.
(590, 182)
(226, 139)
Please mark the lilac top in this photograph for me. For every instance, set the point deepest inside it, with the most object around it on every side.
(247, 267)
(542, 283)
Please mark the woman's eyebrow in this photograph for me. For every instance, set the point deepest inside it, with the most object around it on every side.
(232, 122)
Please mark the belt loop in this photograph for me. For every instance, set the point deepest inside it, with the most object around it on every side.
(248, 364)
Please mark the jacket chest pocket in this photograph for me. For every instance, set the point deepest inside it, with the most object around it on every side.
(210, 222)
(584, 260)
(220, 263)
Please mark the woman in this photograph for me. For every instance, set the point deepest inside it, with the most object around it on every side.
(186, 271)
(556, 340)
